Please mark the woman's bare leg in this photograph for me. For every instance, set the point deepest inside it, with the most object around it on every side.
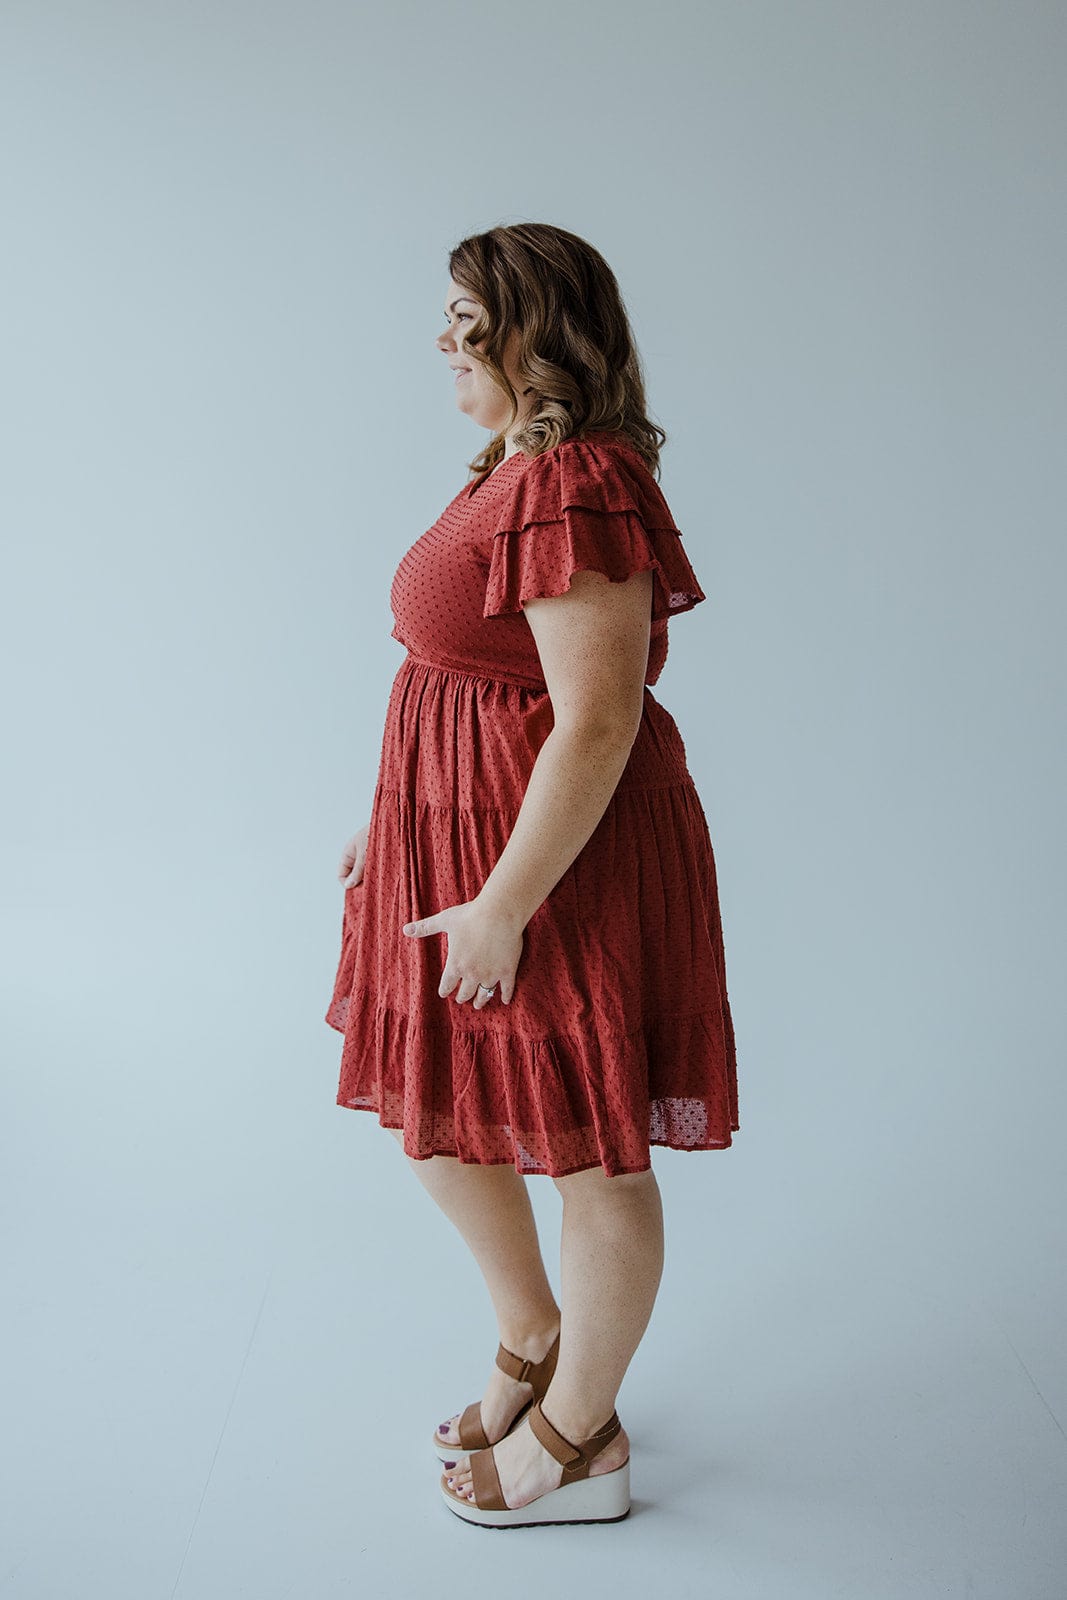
(612, 1262)
(490, 1206)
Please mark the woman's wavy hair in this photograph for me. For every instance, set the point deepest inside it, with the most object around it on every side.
(576, 349)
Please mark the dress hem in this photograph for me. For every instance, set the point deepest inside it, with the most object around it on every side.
(520, 1123)
(542, 1172)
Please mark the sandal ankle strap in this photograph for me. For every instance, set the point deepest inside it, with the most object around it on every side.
(537, 1373)
(573, 1458)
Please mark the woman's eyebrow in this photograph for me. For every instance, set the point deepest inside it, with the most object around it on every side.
(458, 298)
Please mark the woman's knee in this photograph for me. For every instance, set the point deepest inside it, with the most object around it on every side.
(594, 1182)
(423, 1165)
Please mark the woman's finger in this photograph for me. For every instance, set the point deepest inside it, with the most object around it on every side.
(467, 987)
(351, 869)
(447, 984)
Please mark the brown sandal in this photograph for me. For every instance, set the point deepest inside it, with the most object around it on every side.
(579, 1498)
(471, 1432)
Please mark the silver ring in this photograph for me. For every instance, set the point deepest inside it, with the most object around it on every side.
(488, 991)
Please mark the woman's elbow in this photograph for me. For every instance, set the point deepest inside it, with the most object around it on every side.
(599, 729)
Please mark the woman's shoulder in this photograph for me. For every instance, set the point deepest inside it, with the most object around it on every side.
(600, 471)
(591, 450)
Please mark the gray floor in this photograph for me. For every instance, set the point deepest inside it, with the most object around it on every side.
(226, 1340)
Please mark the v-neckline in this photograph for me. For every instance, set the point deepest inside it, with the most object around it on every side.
(500, 466)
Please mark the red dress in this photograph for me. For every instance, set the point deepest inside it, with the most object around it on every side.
(618, 1035)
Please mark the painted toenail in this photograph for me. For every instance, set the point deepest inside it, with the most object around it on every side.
(450, 1463)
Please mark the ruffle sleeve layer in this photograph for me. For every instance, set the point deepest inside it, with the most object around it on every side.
(587, 507)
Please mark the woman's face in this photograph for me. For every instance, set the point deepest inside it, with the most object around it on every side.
(476, 394)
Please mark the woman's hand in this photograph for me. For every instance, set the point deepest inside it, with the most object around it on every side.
(353, 858)
(484, 946)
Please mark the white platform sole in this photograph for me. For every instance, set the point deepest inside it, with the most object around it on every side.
(604, 1498)
(452, 1452)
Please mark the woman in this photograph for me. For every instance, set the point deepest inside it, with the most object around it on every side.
(532, 976)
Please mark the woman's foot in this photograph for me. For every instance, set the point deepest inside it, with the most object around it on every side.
(527, 1470)
(504, 1397)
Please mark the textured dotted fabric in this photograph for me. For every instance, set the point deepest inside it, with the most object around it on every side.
(619, 1034)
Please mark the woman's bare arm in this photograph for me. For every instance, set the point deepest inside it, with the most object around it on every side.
(593, 644)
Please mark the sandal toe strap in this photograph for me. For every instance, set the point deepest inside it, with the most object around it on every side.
(471, 1432)
(485, 1480)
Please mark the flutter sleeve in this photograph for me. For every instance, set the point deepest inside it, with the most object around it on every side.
(587, 507)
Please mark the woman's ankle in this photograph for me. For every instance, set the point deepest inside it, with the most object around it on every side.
(531, 1340)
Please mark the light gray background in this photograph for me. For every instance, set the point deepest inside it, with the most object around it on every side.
(232, 1315)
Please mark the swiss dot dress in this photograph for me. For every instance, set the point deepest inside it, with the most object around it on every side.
(619, 1034)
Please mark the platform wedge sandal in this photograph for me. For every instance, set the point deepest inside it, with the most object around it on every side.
(579, 1498)
(471, 1433)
